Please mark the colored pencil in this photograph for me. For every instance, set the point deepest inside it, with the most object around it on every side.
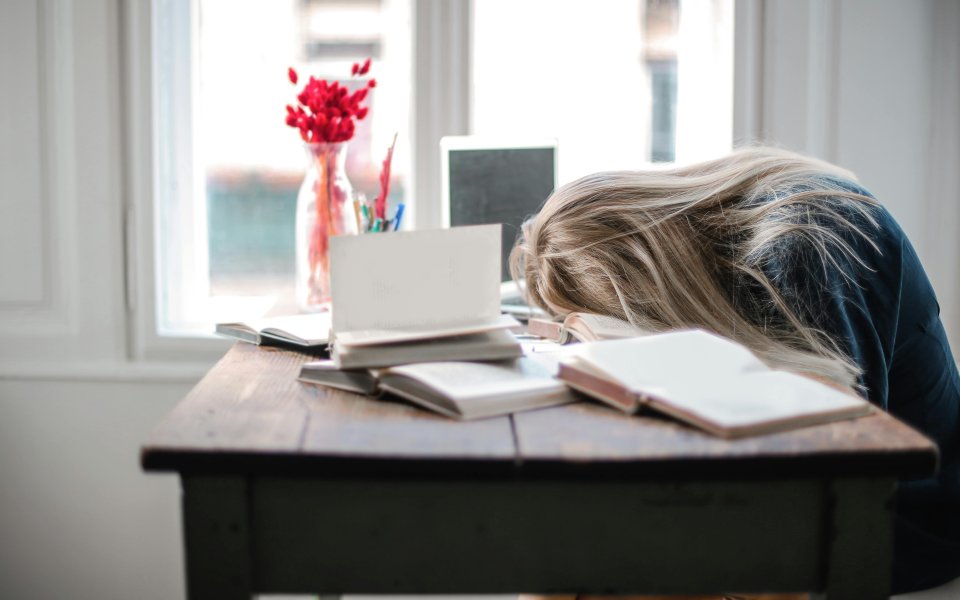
(397, 217)
(356, 213)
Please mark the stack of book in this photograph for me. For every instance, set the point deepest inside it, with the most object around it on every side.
(416, 315)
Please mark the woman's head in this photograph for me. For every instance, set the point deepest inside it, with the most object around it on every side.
(686, 247)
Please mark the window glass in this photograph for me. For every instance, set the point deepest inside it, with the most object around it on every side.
(237, 196)
(253, 164)
(619, 83)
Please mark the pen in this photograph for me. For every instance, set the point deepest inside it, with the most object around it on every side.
(397, 217)
(377, 224)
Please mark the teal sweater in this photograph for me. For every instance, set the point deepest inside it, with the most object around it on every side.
(888, 321)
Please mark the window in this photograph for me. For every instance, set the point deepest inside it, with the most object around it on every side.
(229, 168)
(620, 84)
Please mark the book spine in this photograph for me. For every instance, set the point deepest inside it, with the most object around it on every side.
(602, 389)
(550, 330)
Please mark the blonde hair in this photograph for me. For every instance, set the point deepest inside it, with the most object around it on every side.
(687, 247)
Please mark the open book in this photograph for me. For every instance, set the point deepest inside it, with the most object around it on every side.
(583, 327)
(462, 390)
(310, 332)
(405, 297)
(706, 381)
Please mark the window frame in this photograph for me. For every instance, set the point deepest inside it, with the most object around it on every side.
(441, 77)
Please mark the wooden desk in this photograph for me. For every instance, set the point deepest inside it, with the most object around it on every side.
(292, 488)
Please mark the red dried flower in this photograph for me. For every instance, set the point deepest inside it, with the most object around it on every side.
(327, 112)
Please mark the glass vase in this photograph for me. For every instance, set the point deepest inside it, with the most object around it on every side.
(324, 209)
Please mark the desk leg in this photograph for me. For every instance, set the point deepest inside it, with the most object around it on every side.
(216, 531)
(860, 556)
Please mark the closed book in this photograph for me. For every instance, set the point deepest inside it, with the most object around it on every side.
(706, 381)
(498, 344)
(326, 373)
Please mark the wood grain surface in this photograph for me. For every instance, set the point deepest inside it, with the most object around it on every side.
(250, 414)
(591, 433)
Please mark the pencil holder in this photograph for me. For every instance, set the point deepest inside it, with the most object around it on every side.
(323, 210)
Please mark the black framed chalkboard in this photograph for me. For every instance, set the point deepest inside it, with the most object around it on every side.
(499, 185)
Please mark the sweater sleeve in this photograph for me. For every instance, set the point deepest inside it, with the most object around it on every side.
(882, 311)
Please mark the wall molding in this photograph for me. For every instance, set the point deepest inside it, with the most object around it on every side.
(106, 371)
(748, 70)
(941, 205)
(825, 78)
(822, 78)
(787, 87)
(76, 136)
(55, 313)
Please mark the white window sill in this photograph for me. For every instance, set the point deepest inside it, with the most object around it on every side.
(107, 371)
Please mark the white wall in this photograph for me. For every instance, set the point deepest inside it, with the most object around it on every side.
(78, 518)
(874, 86)
(870, 84)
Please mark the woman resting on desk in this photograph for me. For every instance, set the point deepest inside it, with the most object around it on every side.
(790, 257)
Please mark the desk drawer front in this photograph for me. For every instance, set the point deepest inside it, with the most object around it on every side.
(504, 537)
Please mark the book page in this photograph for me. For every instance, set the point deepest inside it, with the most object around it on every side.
(756, 398)
(313, 328)
(473, 390)
(680, 357)
(589, 327)
(460, 380)
(427, 280)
